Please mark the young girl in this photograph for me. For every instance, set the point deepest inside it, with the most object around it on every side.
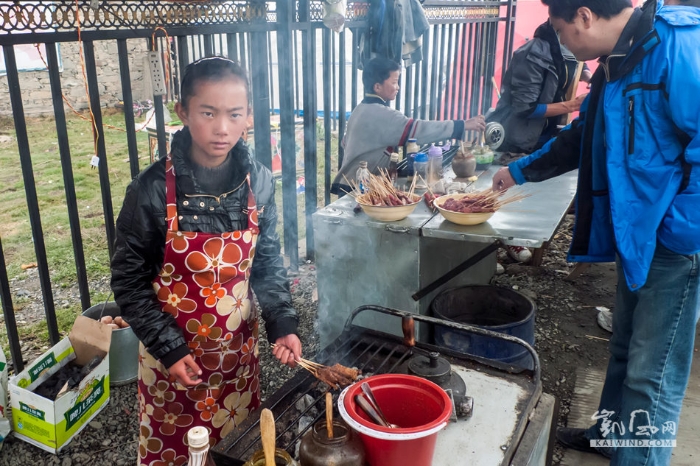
(197, 229)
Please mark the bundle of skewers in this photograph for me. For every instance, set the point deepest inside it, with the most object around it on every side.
(381, 192)
(336, 376)
(480, 201)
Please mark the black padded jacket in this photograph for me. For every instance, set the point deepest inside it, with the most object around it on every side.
(140, 245)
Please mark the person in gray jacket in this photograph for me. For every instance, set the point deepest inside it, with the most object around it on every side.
(375, 130)
(534, 87)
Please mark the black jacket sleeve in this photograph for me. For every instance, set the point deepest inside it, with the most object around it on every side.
(268, 277)
(527, 80)
(138, 255)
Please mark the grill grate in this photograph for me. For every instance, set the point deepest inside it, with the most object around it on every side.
(373, 353)
(370, 355)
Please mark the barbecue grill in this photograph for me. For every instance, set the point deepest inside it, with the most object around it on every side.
(509, 422)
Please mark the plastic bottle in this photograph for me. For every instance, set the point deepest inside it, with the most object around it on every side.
(412, 148)
(434, 165)
(362, 177)
(394, 167)
(421, 168)
(198, 442)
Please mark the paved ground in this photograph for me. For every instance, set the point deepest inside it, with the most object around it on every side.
(589, 384)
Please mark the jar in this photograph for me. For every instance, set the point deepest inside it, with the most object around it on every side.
(282, 458)
(434, 165)
(344, 449)
(421, 168)
(464, 166)
(410, 152)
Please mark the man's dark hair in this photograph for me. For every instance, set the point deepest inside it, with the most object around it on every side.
(210, 69)
(377, 70)
(566, 9)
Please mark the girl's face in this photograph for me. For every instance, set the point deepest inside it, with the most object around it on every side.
(389, 88)
(217, 116)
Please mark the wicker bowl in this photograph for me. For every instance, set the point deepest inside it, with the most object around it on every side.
(458, 217)
(390, 213)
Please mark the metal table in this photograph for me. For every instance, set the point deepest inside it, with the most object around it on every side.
(362, 261)
(531, 222)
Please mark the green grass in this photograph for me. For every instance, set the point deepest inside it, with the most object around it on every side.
(15, 229)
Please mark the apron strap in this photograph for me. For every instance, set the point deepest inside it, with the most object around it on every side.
(170, 194)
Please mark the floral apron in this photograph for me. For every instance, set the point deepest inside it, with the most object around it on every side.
(203, 284)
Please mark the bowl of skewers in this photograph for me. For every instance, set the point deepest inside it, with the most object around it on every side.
(473, 208)
(383, 202)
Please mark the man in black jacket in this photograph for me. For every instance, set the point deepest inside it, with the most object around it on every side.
(534, 87)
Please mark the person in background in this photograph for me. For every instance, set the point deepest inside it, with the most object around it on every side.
(532, 101)
(196, 231)
(534, 86)
(375, 130)
(636, 146)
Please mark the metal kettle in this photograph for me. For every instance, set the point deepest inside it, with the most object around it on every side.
(494, 135)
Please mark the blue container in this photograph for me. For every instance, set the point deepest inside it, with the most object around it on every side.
(490, 307)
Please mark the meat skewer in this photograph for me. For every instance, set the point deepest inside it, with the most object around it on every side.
(335, 376)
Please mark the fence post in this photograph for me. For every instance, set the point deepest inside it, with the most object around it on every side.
(25, 158)
(285, 18)
(308, 45)
(8, 312)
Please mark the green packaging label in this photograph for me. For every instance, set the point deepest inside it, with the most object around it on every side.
(48, 361)
(74, 414)
(37, 413)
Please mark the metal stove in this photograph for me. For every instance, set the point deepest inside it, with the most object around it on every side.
(504, 418)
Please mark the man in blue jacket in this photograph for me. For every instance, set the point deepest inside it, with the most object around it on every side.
(637, 148)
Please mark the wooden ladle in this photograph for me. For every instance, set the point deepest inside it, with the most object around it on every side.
(267, 432)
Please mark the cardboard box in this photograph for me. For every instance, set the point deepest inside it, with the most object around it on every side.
(48, 424)
(4, 422)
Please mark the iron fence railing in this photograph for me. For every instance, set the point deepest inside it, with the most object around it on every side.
(299, 70)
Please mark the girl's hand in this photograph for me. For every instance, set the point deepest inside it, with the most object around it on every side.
(186, 372)
(502, 180)
(288, 349)
(475, 124)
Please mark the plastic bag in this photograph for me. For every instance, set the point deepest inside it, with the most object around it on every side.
(334, 14)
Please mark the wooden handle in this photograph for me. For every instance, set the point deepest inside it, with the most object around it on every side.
(409, 334)
(267, 432)
(329, 414)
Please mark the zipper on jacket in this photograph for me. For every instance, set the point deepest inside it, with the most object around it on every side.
(630, 142)
(220, 196)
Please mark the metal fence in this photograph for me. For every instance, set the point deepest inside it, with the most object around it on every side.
(300, 70)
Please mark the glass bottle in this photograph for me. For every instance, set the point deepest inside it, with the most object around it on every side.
(412, 148)
(362, 177)
(421, 168)
(434, 165)
(198, 442)
(394, 167)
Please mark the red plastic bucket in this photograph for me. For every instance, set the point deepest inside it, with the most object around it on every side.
(418, 406)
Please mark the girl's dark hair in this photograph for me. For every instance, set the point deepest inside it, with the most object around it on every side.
(210, 69)
(566, 9)
(377, 70)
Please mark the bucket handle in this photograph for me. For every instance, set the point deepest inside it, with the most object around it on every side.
(105, 305)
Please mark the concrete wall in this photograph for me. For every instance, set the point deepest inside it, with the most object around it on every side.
(36, 88)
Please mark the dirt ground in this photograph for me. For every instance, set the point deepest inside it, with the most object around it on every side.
(567, 337)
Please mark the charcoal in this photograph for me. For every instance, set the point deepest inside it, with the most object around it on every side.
(71, 374)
